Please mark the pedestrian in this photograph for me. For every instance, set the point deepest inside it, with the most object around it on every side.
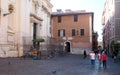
(104, 51)
(85, 54)
(114, 56)
(104, 60)
(92, 57)
(99, 58)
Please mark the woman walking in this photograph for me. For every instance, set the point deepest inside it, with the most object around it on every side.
(92, 57)
(99, 58)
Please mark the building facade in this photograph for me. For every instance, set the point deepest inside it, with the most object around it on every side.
(73, 30)
(111, 23)
(21, 22)
(45, 11)
(95, 41)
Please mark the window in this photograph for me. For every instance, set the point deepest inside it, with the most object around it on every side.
(75, 18)
(81, 32)
(61, 32)
(73, 32)
(59, 19)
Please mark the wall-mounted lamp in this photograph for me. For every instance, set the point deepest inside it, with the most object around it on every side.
(10, 9)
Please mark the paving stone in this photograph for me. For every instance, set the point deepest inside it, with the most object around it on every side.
(67, 65)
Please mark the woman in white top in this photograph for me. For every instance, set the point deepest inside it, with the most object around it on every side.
(92, 57)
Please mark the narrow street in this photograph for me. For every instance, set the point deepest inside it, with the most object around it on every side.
(60, 65)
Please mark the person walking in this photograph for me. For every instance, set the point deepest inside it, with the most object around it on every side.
(85, 54)
(92, 57)
(104, 60)
(99, 58)
(114, 56)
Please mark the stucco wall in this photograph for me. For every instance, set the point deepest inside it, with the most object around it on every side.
(78, 42)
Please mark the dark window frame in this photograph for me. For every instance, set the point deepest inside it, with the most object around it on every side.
(59, 19)
(75, 18)
(73, 32)
(82, 32)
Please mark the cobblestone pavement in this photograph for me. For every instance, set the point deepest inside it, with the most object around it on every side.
(60, 65)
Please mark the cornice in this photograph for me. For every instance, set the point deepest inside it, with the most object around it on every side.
(36, 17)
(48, 3)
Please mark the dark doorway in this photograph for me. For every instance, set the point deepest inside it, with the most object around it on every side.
(67, 47)
(34, 32)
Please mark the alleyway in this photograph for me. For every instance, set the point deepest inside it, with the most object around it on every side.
(64, 65)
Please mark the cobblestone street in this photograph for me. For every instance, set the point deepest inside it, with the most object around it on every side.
(60, 65)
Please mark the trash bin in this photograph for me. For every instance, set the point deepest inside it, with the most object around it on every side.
(35, 58)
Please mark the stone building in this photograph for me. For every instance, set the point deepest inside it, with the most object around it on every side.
(20, 22)
(111, 24)
(73, 30)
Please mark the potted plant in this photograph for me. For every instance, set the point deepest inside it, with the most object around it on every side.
(38, 41)
(37, 46)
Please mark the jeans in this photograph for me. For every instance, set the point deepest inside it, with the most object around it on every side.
(104, 64)
(92, 62)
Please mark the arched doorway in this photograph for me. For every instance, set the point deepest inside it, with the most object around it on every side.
(67, 46)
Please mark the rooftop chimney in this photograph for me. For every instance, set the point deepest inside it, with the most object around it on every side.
(59, 10)
(68, 10)
(82, 11)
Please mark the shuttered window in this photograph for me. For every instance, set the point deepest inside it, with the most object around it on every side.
(61, 32)
(73, 32)
(81, 32)
(75, 18)
(59, 19)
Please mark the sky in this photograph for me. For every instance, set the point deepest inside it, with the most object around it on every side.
(95, 6)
